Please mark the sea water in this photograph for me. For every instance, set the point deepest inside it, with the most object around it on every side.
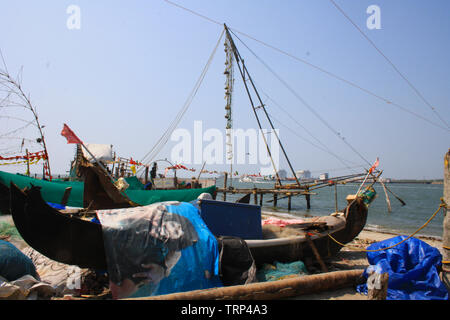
(422, 200)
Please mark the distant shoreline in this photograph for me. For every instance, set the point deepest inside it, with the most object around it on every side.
(437, 181)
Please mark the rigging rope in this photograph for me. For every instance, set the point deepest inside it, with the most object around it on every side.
(329, 73)
(392, 64)
(325, 148)
(165, 137)
(304, 102)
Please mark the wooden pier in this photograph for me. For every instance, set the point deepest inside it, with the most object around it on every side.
(275, 194)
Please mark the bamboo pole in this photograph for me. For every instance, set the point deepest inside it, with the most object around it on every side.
(388, 201)
(28, 163)
(225, 178)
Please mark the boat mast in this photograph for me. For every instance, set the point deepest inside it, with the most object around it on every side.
(228, 96)
(244, 72)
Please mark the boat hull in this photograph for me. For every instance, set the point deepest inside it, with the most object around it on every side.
(74, 241)
(300, 248)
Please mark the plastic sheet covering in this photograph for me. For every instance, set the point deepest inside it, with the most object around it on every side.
(26, 287)
(158, 249)
(63, 278)
(13, 263)
(412, 266)
(102, 152)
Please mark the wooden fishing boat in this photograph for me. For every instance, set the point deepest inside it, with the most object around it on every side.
(65, 237)
(96, 191)
(316, 237)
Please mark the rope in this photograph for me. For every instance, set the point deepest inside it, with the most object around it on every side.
(318, 68)
(165, 137)
(392, 64)
(442, 205)
(306, 104)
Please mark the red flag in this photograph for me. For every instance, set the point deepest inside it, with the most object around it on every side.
(374, 165)
(70, 136)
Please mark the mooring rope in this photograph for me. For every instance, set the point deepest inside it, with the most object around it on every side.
(442, 205)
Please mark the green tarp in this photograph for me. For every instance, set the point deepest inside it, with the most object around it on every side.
(53, 191)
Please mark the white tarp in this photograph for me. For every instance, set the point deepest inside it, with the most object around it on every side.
(102, 152)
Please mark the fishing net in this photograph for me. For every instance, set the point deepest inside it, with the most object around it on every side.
(8, 230)
(280, 271)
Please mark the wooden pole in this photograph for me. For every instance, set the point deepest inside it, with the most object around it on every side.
(446, 226)
(225, 178)
(275, 199)
(335, 197)
(146, 175)
(316, 254)
(388, 201)
(308, 199)
(272, 289)
(289, 201)
(66, 196)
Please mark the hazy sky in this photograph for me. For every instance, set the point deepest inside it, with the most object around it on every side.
(123, 76)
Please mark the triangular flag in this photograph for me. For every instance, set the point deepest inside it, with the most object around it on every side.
(70, 135)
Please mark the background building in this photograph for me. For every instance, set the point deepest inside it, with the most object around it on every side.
(323, 176)
(303, 174)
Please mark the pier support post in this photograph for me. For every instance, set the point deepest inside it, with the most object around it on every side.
(308, 199)
(146, 175)
(446, 226)
(289, 201)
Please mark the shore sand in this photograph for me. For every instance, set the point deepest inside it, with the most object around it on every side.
(349, 258)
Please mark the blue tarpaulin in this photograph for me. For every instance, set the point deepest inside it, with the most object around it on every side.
(158, 249)
(13, 263)
(413, 268)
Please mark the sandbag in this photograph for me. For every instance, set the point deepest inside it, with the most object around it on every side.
(14, 264)
(413, 267)
(237, 265)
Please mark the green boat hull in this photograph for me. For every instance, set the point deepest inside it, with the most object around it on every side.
(53, 191)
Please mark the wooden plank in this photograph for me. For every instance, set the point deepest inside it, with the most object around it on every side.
(66, 196)
(316, 254)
